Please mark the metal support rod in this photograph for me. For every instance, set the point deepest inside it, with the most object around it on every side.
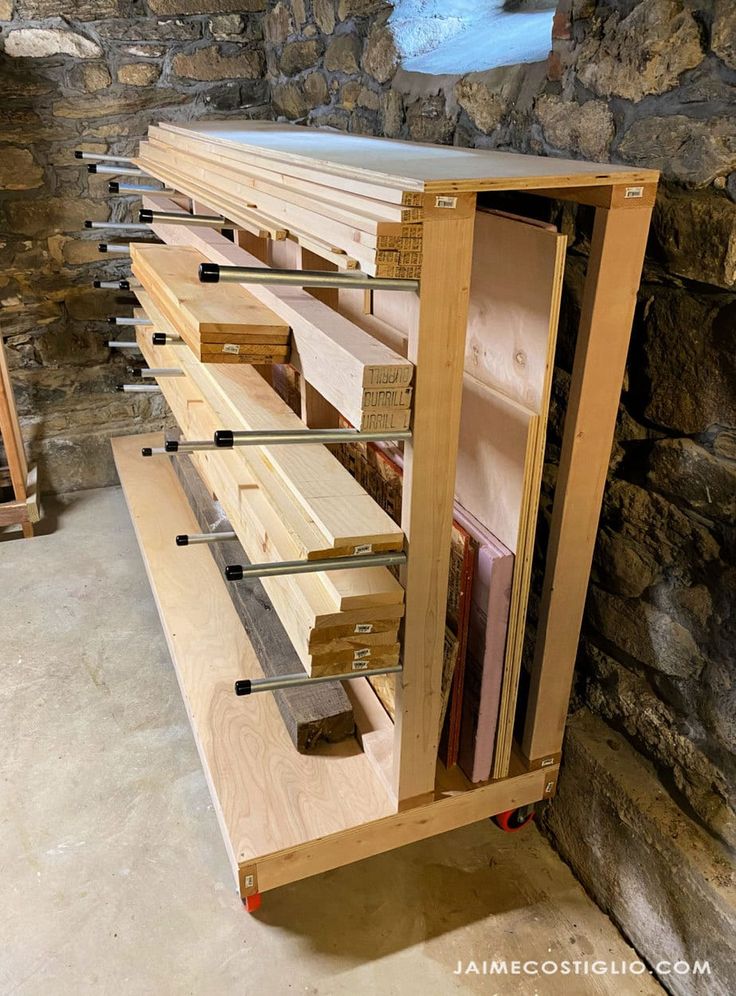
(122, 345)
(161, 372)
(177, 446)
(114, 247)
(248, 686)
(115, 284)
(191, 538)
(115, 224)
(118, 170)
(184, 218)
(100, 157)
(114, 187)
(120, 320)
(213, 273)
(164, 338)
(140, 388)
(225, 438)
(241, 572)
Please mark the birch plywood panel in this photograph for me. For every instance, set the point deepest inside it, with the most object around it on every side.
(514, 303)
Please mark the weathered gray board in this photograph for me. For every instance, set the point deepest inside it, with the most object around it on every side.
(311, 715)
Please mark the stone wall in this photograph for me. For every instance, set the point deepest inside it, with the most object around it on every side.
(93, 80)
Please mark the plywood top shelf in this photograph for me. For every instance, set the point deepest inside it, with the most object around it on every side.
(408, 166)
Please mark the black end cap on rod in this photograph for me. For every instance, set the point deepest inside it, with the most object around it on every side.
(97, 283)
(224, 438)
(243, 686)
(120, 388)
(146, 451)
(182, 540)
(92, 168)
(134, 372)
(78, 154)
(171, 446)
(124, 285)
(209, 273)
(102, 246)
(111, 320)
(158, 338)
(113, 187)
(88, 224)
(234, 572)
(145, 215)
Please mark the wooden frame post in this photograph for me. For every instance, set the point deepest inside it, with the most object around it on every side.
(612, 281)
(436, 347)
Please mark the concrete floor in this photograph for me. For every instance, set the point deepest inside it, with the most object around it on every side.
(114, 877)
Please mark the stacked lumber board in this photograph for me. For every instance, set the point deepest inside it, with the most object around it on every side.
(375, 227)
(312, 714)
(288, 503)
(220, 324)
(366, 381)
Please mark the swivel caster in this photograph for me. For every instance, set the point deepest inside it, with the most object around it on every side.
(514, 820)
(252, 903)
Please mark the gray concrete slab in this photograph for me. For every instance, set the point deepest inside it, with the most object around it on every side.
(114, 876)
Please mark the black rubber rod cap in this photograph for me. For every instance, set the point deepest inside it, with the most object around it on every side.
(145, 215)
(124, 285)
(134, 372)
(102, 247)
(171, 446)
(78, 154)
(111, 320)
(158, 338)
(88, 224)
(209, 273)
(234, 572)
(224, 438)
(120, 388)
(182, 540)
(113, 187)
(146, 451)
(96, 283)
(242, 687)
(92, 168)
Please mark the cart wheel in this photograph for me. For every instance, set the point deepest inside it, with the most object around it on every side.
(252, 903)
(514, 820)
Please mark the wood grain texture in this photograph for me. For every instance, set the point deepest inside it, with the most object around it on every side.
(612, 280)
(311, 715)
(267, 797)
(406, 165)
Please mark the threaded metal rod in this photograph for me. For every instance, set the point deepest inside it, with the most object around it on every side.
(115, 284)
(212, 273)
(114, 187)
(162, 372)
(136, 226)
(123, 345)
(118, 247)
(248, 686)
(140, 388)
(241, 572)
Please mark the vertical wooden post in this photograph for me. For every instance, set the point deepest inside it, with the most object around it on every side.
(614, 272)
(12, 439)
(436, 347)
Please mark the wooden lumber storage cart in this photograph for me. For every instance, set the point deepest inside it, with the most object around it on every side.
(285, 815)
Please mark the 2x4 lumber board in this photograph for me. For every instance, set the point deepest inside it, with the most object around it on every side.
(445, 811)
(281, 200)
(366, 588)
(296, 180)
(271, 211)
(436, 347)
(329, 498)
(13, 440)
(613, 275)
(241, 742)
(340, 360)
(435, 169)
(311, 715)
(228, 312)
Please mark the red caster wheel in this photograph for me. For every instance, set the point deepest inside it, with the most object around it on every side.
(252, 903)
(514, 820)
